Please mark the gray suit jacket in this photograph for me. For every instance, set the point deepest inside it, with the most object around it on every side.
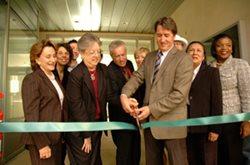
(166, 97)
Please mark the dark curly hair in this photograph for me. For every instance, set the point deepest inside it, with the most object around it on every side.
(67, 47)
(72, 41)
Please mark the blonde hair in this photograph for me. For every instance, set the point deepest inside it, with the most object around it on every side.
(141, 50)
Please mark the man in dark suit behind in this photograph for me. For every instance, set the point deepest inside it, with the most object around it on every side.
(119, 71)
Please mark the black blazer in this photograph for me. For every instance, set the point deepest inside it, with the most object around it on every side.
(205, 97)
(41, 103)
(65, 76)
(80, 95)
(117, 81)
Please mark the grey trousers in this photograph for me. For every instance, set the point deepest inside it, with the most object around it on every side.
(154, 148)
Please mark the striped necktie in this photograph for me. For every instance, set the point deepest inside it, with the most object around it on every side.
(157, 64)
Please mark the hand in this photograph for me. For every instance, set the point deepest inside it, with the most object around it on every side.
(128, 104)
(245, 129)
(86, 147)
(133, 104)
(135, 112)
(125, 103)
(45, 152)
(143, 112)
(213, 136)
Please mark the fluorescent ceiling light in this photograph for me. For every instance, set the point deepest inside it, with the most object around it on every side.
(90, 16)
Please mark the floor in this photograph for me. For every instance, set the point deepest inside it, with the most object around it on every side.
(107, 151)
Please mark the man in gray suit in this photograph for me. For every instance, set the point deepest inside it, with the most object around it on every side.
(167, 73)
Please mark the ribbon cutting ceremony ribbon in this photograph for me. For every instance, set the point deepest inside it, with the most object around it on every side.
(200, 121)
(63, 126)
(101, 126)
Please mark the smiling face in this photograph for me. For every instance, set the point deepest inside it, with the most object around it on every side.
(179, 45)
(74, 48)
(164, 38)
(119, 55)
(223, 48)
(47, 59)
(139, 57)
(196, 51)
(62, 56)
(92, 55)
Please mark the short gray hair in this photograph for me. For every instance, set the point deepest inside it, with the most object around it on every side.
(115, 44)
(86, 40)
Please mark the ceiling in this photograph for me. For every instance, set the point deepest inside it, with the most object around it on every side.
(133, 16)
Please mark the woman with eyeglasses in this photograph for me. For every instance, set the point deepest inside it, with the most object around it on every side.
(86, 95)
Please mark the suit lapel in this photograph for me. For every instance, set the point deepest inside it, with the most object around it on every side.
(101, 77)
(198, 76)
(87, 79)
(47, 81)
(151, 66)
(165, 63)
(119, 72)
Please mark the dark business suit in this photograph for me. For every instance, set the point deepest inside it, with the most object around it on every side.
(41, 104)
(205, 98)
(127, 142)
(64, 81)
(82, 108)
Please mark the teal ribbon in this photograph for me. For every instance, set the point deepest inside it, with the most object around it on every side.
(101, 126)
(199, 121)
(63, 126)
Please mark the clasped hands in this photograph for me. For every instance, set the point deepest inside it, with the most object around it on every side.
(245, 129)
(45, 152)
(130, 105)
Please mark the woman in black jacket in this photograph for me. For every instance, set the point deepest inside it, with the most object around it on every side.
(205, 99)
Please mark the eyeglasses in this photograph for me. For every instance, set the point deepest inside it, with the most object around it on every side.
(92, 52)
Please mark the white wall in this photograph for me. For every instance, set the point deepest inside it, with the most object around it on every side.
(201, 19)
